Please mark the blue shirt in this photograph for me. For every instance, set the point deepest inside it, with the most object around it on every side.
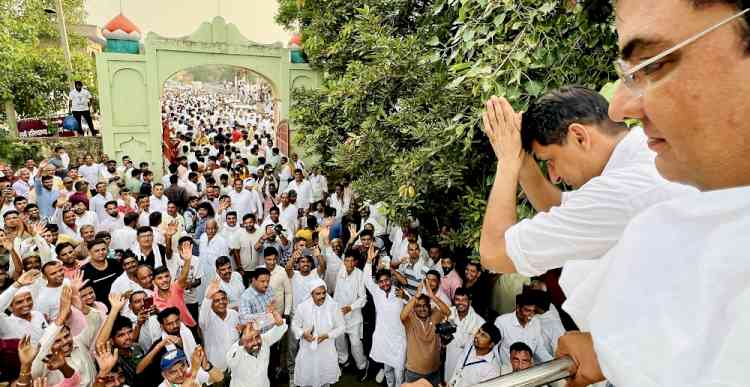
(254, 303)
(45, 198)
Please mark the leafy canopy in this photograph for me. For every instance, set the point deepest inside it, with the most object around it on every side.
(404, 86)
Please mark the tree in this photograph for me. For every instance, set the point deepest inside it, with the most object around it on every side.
(404, 85)
(32, 68)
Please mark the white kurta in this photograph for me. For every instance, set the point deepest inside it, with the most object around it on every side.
(512, 332)
(317, 363)
(249, 370)
(350, 290)
(389, 338)
(463, 338)
(668, 305)
(218, 333)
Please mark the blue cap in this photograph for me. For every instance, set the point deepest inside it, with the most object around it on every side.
(171, 358)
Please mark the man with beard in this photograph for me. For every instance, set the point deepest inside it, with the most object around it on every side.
(317, 323)
(389, 339)
(334, 259)
(451, 280)
(351, 297)
(219, 324)
(146, 328)
(467, 323)
(480, 288)
(248, 358)
(46, 195)
(243, 245)
(127, 282)
(23, 320)
(178, 372)
(111, 220)
(174, 335)
(33, 216)
(58, 338)
(66, 255)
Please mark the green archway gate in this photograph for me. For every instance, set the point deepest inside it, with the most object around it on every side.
(130, 85)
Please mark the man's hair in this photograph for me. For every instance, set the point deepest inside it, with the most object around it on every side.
(494, 333)
(120, 323)
(143, 230)
(95, 242)
(160, 270)
(248, 216)
(130, 218)
(547, 119)
(526, 299)
(259, 272)
(368, 233)
(433, 272)
(62, 246)
(221, 261)
(476, 265)
(166, 312)
(354, 253)
(520, 346)
(381, 273)
(270, 250)
(462, 292)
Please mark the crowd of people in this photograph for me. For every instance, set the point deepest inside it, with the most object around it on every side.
(238, 266)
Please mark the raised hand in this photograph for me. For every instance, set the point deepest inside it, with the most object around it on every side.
(213, 287)
(7, 243)
(27, 351)
(28, 277)
(171, 229)
(105, 358)
(186, 251)
(66, 299)
(37, 229)
(424, 285)
(38, 382)
(502, 125)
(77, 282)
(352, 229)
(371, 254)
(117, 301)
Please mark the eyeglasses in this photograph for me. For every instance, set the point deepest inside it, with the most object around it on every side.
(634, 77)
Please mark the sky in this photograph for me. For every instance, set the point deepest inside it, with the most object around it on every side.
(176, 18)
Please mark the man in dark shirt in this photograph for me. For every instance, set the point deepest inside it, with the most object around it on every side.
(480, 285)
(176, 194)
(100, 271)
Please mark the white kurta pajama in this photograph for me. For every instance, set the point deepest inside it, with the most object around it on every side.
(350, 290)
(389, 338)
(668, 305)
(316, 364)
(252, 370)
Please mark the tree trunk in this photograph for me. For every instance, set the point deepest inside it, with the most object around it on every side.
(10, 113)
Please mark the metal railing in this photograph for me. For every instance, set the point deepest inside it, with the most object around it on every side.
(538, 375)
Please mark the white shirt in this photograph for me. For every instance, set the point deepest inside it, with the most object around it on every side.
(14, 327)
(48, 300)
(350, 290)
(244, 202)
(158, 204)
(98, 202)
(304, 192)
(192, 296)
(333, 264)
(668, 305)
(591, 219)
(123, 238)
(90, 173)
(245, 243)
(234, 289)
(462, 339)
(88, 217)
(79, 100)
(282, 289)
(552, 328)
(302, 286)
(123, 283)
(249, 370)
(218, 334)
(512, 332)
(472, 369)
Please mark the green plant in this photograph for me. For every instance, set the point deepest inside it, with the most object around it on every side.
(16, 152)
(404, 86)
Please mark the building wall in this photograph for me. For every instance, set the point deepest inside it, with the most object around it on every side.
(178, 18)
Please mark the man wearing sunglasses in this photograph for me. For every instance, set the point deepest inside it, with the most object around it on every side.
(668, 305)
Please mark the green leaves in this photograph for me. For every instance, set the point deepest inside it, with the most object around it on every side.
(404, 88)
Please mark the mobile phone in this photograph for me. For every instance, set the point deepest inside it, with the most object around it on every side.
(148, 303)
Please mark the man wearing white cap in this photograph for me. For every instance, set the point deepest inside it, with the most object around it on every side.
(317, 323)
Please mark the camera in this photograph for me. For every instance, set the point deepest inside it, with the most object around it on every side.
(445, 330)
(278, 229)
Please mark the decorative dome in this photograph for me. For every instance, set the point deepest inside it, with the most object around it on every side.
(296, 40)
(121, 28)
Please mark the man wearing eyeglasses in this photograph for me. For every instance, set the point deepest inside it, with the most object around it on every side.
(668, 305)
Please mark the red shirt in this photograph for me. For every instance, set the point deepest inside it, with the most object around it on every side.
(175, 299)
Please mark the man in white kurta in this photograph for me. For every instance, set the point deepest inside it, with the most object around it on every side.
(350, 295)
(389, 338)
(219, 324)
(667, 306)
(317, 323)
(467, 323)
(248, 358)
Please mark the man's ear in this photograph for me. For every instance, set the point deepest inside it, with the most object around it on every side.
(580, 135)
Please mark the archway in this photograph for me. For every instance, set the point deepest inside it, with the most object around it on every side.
(130, 86)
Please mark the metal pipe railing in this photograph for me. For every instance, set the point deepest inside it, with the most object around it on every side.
(535, 376)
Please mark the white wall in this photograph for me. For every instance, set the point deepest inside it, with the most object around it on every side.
(175, 18)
